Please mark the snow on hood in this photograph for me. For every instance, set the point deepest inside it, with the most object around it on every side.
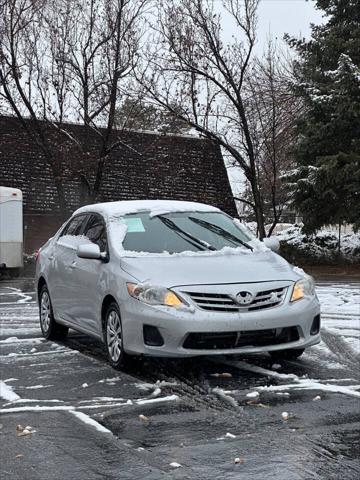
(207, 268)
(155, 207)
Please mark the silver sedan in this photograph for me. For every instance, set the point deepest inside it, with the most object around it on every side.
(172, 279)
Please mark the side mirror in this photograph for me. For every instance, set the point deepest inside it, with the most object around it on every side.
(89, 250)
(272, 243)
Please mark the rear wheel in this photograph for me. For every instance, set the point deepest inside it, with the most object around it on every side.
(113, 336)
(50, 329)
(290, 354)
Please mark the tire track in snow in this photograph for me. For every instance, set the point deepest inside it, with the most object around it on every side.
(345, 354)
(190, 389)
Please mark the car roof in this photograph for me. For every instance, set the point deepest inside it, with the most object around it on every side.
(155, 207)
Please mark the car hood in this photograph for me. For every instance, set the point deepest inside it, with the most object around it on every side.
(174, 271)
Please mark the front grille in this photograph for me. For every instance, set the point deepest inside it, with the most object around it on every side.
(219, 302)
(214, 301)
(245, 338)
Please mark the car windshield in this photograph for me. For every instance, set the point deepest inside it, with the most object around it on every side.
(179, 232)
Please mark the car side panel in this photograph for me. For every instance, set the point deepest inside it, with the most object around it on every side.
(60, 280)
(90, 278)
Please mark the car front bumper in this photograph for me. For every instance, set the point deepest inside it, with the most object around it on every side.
(175, 326)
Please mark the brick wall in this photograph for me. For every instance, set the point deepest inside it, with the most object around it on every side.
(38, 228)
(144, 166)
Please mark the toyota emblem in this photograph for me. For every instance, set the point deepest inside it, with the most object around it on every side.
(244, 298)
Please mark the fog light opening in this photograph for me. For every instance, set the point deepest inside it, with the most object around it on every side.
(315, 327)
(152, 336)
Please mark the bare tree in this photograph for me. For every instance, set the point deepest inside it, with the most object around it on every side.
(273, 112)
(98, 56)
(27, 81)
(196, 70)
(62, 60)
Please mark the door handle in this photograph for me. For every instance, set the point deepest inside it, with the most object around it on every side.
(73, 265)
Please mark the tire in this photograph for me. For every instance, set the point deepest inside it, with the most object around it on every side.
(51, 330)
(113, 338)
(290, 354)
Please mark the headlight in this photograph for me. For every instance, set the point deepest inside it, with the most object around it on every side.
(154, 295)
(305, 287)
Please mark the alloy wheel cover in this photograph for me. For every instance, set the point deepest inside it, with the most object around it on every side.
(45, 312)
(114, 335)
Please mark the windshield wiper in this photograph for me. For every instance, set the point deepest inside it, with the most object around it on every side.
(221, 232)
(196, 242)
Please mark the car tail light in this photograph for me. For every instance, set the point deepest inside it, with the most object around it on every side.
(37, 255)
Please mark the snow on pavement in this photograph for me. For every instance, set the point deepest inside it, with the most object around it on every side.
(90, 421)
(340, 300)
(19, 318)
(23, 297)
(340, 312)
(7, 393)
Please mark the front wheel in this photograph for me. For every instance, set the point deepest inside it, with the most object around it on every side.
(50, 329)
(113, 336)
(290, 354)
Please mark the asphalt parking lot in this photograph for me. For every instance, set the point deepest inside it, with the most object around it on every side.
(242, 417)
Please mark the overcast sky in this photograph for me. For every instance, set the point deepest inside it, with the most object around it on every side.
(277, 17)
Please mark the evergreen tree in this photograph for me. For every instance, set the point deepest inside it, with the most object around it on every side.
(326, 184)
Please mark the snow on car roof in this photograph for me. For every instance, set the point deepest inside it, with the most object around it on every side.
(155, 207)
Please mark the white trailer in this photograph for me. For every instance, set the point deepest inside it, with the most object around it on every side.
(11, 228)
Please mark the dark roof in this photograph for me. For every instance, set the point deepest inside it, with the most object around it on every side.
(144, 166)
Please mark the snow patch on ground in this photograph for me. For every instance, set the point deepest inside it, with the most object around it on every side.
(219, 392)
(90, 421)
(297, 382)
(103, 399)
(25, 297)
(339, 300)
(7, 393)
(37, 387)
(110, 380)
(309, 384)
(37, 408)
(262, 371)
(169, 398)
(252, 394)
(153, 386)
(32, 400)
(33, 354)
(10, 340)
(340, 312)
